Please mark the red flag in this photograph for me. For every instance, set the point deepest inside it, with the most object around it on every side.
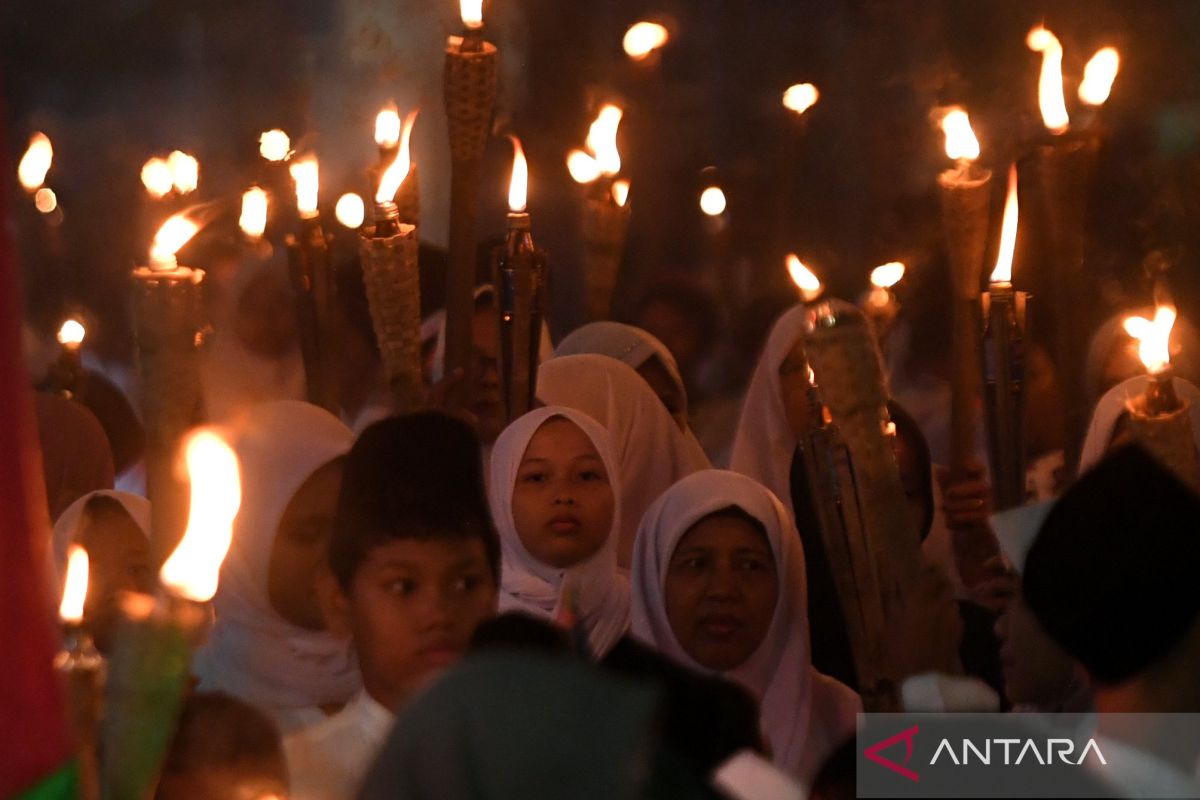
(36, 752)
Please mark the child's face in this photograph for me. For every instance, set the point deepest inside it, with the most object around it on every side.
(562, 501)
(119, 561)
(720, 591)
(301, 548)
(411, 608)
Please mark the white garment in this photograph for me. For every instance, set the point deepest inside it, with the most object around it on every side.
(651, 452)
(67, 524)
(804, 714)
(601, 594)
(330, 760)
(253, 653)
(1114, 403)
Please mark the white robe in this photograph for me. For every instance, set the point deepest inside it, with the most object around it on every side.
(330, 760)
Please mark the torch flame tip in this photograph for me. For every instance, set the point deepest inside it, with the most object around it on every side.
(518, 188)
(800, 97)
(1153, 337)
(70, 610)
(71, 333)
(961, 143)
(887, 275)
(1008, 232)
(643, 38)
(34, 165)
(805, 279)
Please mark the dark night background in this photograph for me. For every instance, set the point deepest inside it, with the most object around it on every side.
(849, 187)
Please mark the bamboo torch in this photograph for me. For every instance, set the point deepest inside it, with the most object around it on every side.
(167, 307)
(966, 199)
(149, 672)
(389, 261)
(1159, 419)
(1005, 330)
(519, 275)
(470, 97)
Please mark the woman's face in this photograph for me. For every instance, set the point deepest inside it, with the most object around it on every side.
(672, 397)
(720, 591)
(301, 548)
(562, 501)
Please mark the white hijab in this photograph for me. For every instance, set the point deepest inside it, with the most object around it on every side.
(526, 584)
(255, 654)
(626, 343)
(1114, 403)
(764, 444)
(67, 524)
(805, 715)
(649, 447)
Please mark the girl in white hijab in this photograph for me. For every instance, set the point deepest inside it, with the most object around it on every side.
(639, 349)
(1112, 408)
(589, 590)
(651, 452)
(286, 669)
(804, 715)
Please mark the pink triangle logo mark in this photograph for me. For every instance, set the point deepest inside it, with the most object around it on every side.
(906, 736)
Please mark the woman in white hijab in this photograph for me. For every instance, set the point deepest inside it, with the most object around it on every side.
(589, 592)
(269, 646)
(1110, 412)
(804, 714)
(651, 452)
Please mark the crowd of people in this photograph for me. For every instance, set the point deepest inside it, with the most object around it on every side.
(588, 601)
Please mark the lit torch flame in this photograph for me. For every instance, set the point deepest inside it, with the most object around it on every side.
(350, 210)
(961, 144)
(472, 13)
(1008, 232)
(1098, 76)
(1050, 82)
(156, 177)
(253, 220)
(410, 121)
(71, 334)
(602, 140)
(518, 187)
(70, 610)
(274, 145)
(185, 171)
(174, 234)
(306, 173)
(387, 128)
(620, 192)
(45, 200)
(712, 201)
(643, 38)
(1153, 338)
(800, 97)
(887, 275)
(393, 177)
(805, 279)
(36, 161)
(192, 570)
(583, 168)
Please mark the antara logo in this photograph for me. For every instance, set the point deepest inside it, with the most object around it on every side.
(1045, 753)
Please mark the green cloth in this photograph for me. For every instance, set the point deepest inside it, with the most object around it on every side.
(62, 784)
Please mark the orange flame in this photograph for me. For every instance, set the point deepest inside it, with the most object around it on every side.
(307, 175)
(45, 200)
(185, 171)
(393, 177)
(583, 168)
(70, 610)
(173, 235)
(1153, 338)
(472, 13)
(156, 177)
(253, 220)
(350, 210)
(1050, 82)
(36, 161)
(1098, 76)
(805, 279)
(602, 139)
(887, 275)
(1008, 232)
(71, 334)
(800, 97)
(410, 121)
(961, 143)
(518, 187)
(387, 127)
(620, 192)
(192, 570)
(643, 38)
(712, 201)
(274, 145)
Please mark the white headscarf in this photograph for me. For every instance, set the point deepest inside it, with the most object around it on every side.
(526, 584)
(255, 654)
(67, 524)
(235, 379)
(805, 715)
(1113, 404)
(651, 451)
(765, 443)
(626, 343)
(434, 327)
